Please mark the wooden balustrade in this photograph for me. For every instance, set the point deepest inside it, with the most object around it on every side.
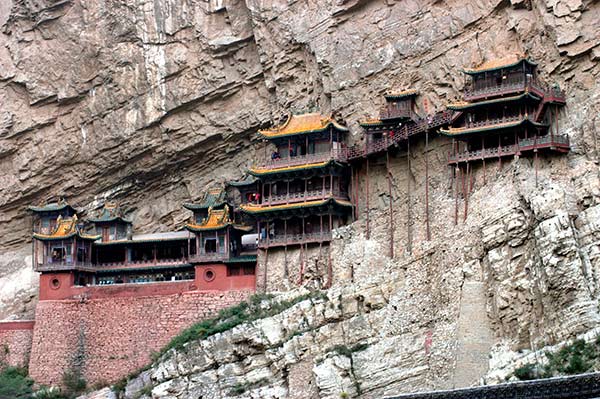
(294, 239)
(336, 154)
(532, 143)
(303, 196)
(513, 86)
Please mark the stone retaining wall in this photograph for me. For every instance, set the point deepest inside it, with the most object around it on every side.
(15, 342)
(107, 338)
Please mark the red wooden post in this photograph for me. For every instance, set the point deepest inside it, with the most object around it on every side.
(427, 184)
(367, 199)
(389, 176)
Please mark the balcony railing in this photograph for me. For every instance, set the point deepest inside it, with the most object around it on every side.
(49, 267)
(512, 86)
(303, 196)
(209, 257)
(391, 112)
(140, 264)
(496, 121)
(294, 239)
(337, 154)
(400, 134)
(548, 141)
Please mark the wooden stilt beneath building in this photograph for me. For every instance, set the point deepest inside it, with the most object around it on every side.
(389, 178)
(464, 188)
(408, 210)
(367, 200)
(427, 185)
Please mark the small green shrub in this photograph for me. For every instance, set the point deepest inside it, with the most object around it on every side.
(526, 372)
(15, 384)
(49, 393)
(74, 384)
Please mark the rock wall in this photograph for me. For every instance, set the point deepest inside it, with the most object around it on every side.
(106, 339)
(148, 102)
(15, 343)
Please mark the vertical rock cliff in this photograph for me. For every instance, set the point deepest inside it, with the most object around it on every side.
(147, 101)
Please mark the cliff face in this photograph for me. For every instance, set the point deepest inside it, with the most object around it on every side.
(146, 102)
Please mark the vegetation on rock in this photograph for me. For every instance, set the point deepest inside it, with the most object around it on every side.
(576, 358)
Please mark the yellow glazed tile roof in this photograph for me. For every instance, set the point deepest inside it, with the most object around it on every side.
(216, 219)
(299, 124)
(402, 93)
(370, 122)
(65, 228)
(260, 171)
(253, 208)
(498, 63)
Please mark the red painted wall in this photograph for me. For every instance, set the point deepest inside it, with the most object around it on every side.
(214, 277)
(15, 342)
(109, 331)
(56, 286)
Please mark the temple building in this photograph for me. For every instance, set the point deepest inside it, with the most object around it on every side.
(395, 117)
(505, 111)
(299, 193)
(220, 248)
(105, 250)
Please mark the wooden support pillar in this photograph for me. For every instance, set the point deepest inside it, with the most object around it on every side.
(427, 185)
(356, 197)
(352, 197)
(302, 254)
(329, 268)
(499, 154)
(465, 195)
(331, 184)
(367, 200)
(286, 271)
(270, 193)
(389, 178)
(265, 269)
(189, 241)
(535, 161)
(456, 178)
(408, 210)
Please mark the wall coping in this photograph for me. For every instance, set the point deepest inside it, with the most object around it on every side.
(12, 325)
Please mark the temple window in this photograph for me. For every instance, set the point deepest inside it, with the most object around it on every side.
(210, 245)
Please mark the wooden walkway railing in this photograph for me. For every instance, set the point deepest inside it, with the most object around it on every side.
(294, 239)
(412, 128)
(549, 141)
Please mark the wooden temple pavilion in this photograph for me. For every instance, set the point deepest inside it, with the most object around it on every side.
(506, 111)
(301, 187)
(209, 250)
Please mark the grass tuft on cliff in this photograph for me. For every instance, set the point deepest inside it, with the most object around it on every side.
(15, 384)
(258, 306)
(576, 358)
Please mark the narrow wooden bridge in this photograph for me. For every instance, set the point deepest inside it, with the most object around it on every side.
(411, 128)
(583, 386)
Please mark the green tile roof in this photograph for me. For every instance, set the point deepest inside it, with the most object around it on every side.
(213, 198)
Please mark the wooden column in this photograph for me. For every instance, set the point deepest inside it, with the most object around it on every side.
(302, 253)
(456, 177)
(389, 178)
(367, 200)
(408, 210)
(285, 266)
(465, 191)
(428, 232)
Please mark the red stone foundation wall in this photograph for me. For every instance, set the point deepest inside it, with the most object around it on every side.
(108, 336)
(15, 343)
